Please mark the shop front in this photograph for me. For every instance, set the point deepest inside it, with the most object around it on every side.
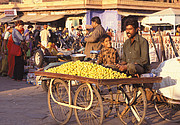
(8, 16)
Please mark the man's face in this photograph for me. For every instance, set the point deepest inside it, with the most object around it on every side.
(131, 31)
(93, 24)
(30, 29)
(178, 29)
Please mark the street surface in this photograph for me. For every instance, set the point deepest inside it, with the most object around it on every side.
(25, 104)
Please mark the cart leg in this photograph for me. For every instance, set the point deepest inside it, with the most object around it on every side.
(93, 116)
(59, 90)
(133, 104)
(107, 98)
(45, 85)
(166, 108)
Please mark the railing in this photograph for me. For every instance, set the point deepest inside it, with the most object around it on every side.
(93, 1)
(159, 4)
(169, 53)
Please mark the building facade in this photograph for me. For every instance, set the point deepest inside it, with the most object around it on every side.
(67, 13)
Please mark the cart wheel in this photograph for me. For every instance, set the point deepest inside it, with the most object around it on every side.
(45, 85)
(107, 98)
(92, 116)
(76, 46)
(38, 58)
(132, 104)
(167, 109)
(59, 113)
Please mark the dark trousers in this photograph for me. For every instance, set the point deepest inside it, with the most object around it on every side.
(18, 68)
(134, 69)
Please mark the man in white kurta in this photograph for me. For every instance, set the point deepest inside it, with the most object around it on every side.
(45, 34)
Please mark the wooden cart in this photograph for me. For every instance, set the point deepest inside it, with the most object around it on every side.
(90, 104)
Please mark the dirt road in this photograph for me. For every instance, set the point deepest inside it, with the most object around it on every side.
(24, 104)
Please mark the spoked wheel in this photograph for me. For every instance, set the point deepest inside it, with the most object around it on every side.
(131, 104)
(76, 46)
(38, 58)
(168, 109)
(92, 116)
(59, 113)
(107, 98)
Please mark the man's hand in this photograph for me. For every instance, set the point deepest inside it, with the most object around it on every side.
(123, 63)
(5, 52)
(85, 39)
(27, 34)
(122, 67)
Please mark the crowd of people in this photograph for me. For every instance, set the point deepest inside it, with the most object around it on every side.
(28, 40)
(18, 45)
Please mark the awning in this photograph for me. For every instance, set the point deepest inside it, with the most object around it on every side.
(123, 13)
(4, 18)
(49, 18)
(40, 18)
(30, 18)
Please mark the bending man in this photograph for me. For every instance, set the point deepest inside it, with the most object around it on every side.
(94, 37)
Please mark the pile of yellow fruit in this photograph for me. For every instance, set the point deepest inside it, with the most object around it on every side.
(87, 69)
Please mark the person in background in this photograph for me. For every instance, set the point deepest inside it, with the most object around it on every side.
(109, 32)
(1, 33)
(45, 35)
(135, 59)
(92, 41)
(4, 29)
(72, 32)
(17, 38)
(50, 50)
(36, 36)
(28, 40)
(108, 55)
(65, 31)
(4, 68)
(178, 31)
(79, 33)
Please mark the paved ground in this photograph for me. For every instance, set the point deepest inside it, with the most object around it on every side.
(24, 104)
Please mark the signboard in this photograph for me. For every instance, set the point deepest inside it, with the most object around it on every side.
(12, 12)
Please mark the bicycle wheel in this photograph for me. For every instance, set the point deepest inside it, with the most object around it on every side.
(76, 46)
(166, 109)
(92, 116)
(132, 104)
(59, 113)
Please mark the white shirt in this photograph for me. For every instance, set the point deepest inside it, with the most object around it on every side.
(44, 34)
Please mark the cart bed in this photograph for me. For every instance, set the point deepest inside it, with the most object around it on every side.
(100, 81)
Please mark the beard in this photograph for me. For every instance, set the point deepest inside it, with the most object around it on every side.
(130, 35)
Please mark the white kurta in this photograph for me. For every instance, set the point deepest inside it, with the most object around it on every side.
(170, 85)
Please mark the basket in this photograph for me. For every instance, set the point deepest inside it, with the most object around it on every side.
(76, 57)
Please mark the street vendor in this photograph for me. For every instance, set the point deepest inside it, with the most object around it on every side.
(135, 59)
(50, 50)
(93, 39)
